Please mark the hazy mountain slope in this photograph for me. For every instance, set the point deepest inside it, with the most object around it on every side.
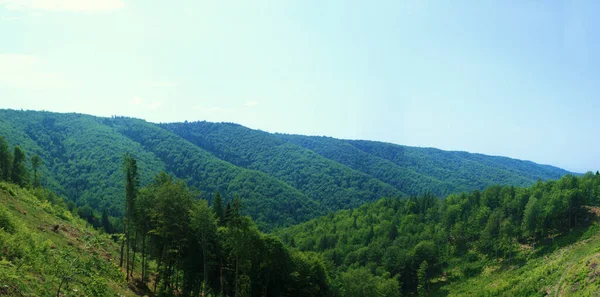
(466, 171)
(403, 178)
(329, 182)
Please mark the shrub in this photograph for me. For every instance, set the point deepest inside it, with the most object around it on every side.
(6, 221)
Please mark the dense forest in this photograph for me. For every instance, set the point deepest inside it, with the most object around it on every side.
(172, 243)
(281, 180)
(423, 243)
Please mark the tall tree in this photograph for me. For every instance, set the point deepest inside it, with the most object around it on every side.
(5, 159)
(20, 175)
(131, 187)
(36, 162)
(105, 221)
(204, 226)
(218, 209)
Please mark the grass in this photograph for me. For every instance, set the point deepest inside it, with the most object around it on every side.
(42, 245)
(569, 267)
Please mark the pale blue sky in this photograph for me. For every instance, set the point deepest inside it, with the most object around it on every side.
(514, 78)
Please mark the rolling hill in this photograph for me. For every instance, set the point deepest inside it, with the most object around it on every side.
(282, 179)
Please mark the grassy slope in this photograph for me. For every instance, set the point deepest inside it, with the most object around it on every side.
(570, 270)
(33, 254)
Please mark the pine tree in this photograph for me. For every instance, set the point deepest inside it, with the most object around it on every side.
(131, 186)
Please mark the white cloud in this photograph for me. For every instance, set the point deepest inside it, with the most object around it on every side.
(251, 103)
(27, 72)
(63, 5)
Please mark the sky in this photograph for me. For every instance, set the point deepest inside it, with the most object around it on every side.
(512, 78)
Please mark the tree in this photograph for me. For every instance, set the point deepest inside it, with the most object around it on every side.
(203, 225)
(20, 175)
(423, 279)
(5, 160)
(87, 213)
(36, 162)
(217, 208)
(530, 217)
(131, 186)
(106, 221)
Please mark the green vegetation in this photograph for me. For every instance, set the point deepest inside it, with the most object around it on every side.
(332, 184)
(180, 194)
(45, 249)
(419, 170)
(283, 180)
(431, 246)
(199, 250)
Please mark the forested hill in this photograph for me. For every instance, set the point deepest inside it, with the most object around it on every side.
(281, 179)
(502, 241)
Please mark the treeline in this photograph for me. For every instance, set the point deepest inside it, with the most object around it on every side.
(409, 242)
(179, 246)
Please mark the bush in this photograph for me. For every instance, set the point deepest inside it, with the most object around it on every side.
(6, 221)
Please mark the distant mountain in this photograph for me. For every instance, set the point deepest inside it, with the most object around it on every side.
(282, 179)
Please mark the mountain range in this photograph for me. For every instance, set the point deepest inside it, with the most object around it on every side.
(281, 179)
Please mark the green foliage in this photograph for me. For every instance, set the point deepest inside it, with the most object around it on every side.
(331, 184)
(36, 162)
(418, 170)
(194, 256)
(19, 173)
(450, 239)
(5, 160)
(6, 221)
(43, 254)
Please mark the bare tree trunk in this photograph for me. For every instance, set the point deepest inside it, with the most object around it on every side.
(144, 259)
(59, 287)
(221, 274)
(236, 276)
(204, 258)
(122, 245)
(134, 250)
(127, 264)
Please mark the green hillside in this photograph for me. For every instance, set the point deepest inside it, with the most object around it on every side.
(44, 247)
(282, 180)
(418, 170)
(571, 270)
(502, 241)
(332, 184)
